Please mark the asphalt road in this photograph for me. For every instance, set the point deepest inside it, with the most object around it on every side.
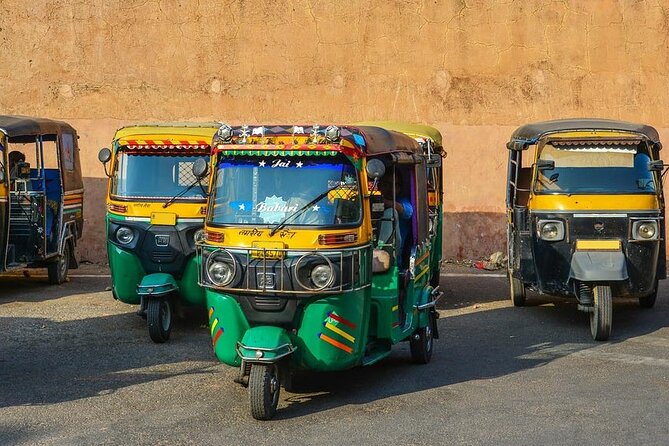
(76, 367)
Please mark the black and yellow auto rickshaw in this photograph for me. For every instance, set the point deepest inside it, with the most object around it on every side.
(319, 251)
(586, 214)
(41, 195)
(155, 213)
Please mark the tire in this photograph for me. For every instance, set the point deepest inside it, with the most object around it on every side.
(58, 270)
(601, 316)
(516, 291)
(649, 301)
(159, 319)
(421, 344)
(264, 389)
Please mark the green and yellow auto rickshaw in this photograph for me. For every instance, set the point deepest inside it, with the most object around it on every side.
(319, 248)
(586, 214)
(41, 195)
(155, 214)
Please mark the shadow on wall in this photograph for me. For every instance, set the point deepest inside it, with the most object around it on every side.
(92, 247)
(473, 235)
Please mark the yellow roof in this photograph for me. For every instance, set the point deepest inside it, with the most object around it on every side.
(168, 130)
(412, 130)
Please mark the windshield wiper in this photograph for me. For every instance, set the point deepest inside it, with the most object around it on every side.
(301, 210)
(182, 193)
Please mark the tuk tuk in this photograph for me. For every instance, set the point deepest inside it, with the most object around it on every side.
(586, 214)
(155, 214)
(318, 252)
(41, 196)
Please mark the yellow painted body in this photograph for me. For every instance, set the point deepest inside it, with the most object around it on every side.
(598, 245)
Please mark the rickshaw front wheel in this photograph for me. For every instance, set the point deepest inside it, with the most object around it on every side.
(159, 319)
(516, 291)
(601, 316)
(57, 271)
(264, 389)
(421, 343)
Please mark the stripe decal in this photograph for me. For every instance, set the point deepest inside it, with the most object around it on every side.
(335, 343)
(423, 257)
(395, 308)
(211, 312)
(339, 331)
(341, 320)
(213, 327)
(422, 273)
(218, 335)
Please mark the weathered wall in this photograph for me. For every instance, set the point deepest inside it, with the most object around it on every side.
(473, 68)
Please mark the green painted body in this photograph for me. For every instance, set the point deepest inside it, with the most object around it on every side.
(128, 274)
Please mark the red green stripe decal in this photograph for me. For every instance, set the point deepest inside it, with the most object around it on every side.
(341, 320)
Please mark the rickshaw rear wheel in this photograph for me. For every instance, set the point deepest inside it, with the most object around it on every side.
(649, 301)
(516, 291)
(264, 389)
(57, 271)
(421, 343)
(601, 316)
(159, 319)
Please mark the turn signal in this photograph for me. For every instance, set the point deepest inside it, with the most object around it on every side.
(215, 237)
(118, 208)
(337, 239)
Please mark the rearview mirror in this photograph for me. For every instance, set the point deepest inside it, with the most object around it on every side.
(656, 166)
(545, 164)
(104, 155)
(200, 168)
(375, 168)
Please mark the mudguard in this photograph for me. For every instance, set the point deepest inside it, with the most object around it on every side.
(264, 344)
(157, 285)
(598, 266)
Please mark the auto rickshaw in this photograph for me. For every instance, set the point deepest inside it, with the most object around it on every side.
(155, 214)
(309, 262)
(41, 196)
(586, 214)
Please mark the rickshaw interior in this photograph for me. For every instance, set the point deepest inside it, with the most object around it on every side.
(35, 194)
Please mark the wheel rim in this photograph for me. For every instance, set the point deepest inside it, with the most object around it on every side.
(428, 338)
(62, 264)
(165, 315)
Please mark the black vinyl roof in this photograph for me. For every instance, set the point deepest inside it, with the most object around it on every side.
(14, 126)
(531, 133)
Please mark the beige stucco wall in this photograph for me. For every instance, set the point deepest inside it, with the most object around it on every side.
(475, 69)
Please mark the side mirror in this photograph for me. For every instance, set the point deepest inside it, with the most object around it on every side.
(375, 169)
(656, 166)
(104, 155)
(200, 168)
(545, 164)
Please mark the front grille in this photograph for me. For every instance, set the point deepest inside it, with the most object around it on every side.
(267, 303)
(162, 257)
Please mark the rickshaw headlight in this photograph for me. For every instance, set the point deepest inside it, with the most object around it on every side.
(645, 230)
(124, 235)
(551, 230)
(198, 237)
(321, 276)
(220, 273)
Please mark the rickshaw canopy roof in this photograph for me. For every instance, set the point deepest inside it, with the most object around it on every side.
(413, 130)
(14, 126)
(529, 134)
(380, 140)
(195, 129)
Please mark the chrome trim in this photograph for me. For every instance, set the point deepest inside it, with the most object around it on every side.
(290, 269)
(290, 349)
(431, 303)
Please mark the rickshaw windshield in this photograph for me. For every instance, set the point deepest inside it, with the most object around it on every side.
(305, 190)
(590, 169)
(156, 176)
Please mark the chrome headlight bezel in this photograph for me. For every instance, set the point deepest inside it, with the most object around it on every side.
(199, 236)
(555, 235)
(225, 263)
(640, 227)
(124, 235)
(322, 276)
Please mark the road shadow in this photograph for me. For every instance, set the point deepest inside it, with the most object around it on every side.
(491, 341)
(35, 287)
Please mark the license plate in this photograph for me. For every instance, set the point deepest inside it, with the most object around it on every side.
(268, 250)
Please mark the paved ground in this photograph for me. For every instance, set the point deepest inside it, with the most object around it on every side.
(77, 367)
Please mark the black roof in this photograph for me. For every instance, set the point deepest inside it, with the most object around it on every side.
(531, 133)
(13, 126)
